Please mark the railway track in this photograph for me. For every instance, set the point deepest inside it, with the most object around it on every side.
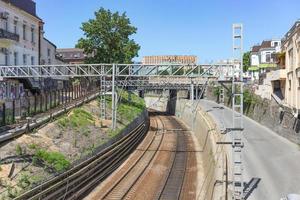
(79, 180)
(165, 148)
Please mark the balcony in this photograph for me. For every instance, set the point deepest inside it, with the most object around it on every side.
(8, 35)
(279, 74)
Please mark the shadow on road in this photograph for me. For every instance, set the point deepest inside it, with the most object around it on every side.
(250, 187)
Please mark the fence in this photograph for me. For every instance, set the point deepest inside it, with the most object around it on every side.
(15, 110)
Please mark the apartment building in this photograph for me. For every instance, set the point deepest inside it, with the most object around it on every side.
(22, 42)
(291, 47)
(20, 32)
(169, 59)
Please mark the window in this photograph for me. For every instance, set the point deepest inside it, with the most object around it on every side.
(48, 52)
(6, 57)
(276, 44)
(5, 24)
(291, 58)
(15, 26)
(32, 60)
(16, 58)
(24, 59)
(268, 57)
(32, 35)
(24, 31)
(290, 84)
(49, 61)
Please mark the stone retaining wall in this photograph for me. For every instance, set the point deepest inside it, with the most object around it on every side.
(270, 114)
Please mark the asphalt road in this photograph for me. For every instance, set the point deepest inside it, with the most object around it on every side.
(270, 160)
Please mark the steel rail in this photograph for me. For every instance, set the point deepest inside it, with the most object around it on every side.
(172, 187)
(126, 175)
(91, 176)
(51, 185)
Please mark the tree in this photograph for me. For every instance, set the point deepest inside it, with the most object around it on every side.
(246, 61)
(107, 38)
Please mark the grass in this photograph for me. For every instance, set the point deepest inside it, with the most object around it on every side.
(19, 150)
(78, 118)
(55, 159)
(128, 110)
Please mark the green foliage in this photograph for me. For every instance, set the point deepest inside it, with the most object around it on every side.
(33, 146)
(246, 61)
(79, 118)
(19, 150)
(24, 181)
(107, 37)
(129, 110)
(55, 159)
(248, 97)
(217, 91)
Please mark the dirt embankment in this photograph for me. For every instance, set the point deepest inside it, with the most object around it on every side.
(37, 156)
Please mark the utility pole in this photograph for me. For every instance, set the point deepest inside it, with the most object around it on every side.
(237, 116)
(103, 94)
(113, 98)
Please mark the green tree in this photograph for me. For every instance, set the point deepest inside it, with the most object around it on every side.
(246, 61)
(107, 38)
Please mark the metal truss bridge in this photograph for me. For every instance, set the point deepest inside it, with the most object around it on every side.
(164, 76)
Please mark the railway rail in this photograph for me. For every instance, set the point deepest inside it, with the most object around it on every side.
(79, 180)
(156, 169)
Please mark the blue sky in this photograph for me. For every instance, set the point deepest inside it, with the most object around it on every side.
(196, 27)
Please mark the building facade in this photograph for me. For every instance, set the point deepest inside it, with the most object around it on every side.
(20, 31)
(291, 47)
(170, 59)
(22, 42)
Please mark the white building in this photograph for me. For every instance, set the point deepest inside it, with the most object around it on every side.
(263, 57)
(22, 42)
(20, 30)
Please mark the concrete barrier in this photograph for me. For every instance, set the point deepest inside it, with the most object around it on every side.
(214, 181)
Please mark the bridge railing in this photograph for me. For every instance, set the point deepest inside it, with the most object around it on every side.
(121, 70)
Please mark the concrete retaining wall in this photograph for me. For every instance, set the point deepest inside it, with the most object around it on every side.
(213, 156)
(271, 115)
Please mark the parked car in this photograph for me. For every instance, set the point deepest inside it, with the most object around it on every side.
(291, 197)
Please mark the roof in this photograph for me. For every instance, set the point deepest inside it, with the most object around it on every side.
(265, 44)
(50, 42)
(255, 48)
(28, 6)
(69, 50)
(292, 30)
